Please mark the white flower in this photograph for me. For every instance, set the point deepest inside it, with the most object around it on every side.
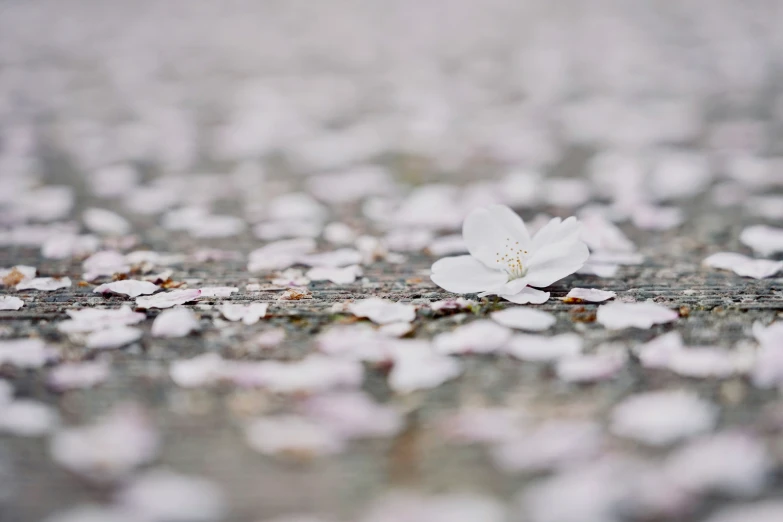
(505, 261)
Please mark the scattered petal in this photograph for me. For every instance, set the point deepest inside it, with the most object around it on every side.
(417, 369)
(249, 314)
(45, 284)
(743, 265)
(591, 367)
(293, 436)
(9, 302)
(131, 287)
(24, 353)
(168, 299)
(109, 449)
(662, 417)
(590, 295)
(27, 418)
(381, 311)
(82, 375)
(176, 322)
(763, 239)
(730, 463)
(524, 319)
(115, 337)
(218, 291)
(540, 348)
(165, 495)
(548, 446)
(338, 276)
(476, 337)
(106, 222)
(104, 264)
(616, 316)
(203, 370)
(353, 415)
(94, 319)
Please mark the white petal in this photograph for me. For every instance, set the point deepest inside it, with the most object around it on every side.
(130, 287)
(524, 319)
(728, 462)
(555, 231)
(293, 435)
(490, 232)
(763, 239)
(529, 347)
(556, 261)
(616, 316)
(475, 337)
(465, 275)
(165, 495)
(168, 299)
(177, 322)
(527, 295)
(45, 284)
(218, 291)
(744, 266)
(9, 302)
(381, 311)
(591, 295)
(662, 417)
(591, 367)
(116, 337)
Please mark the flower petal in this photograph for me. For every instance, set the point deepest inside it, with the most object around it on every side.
(465, 275)
(556, 261)
(488, 231)
(555, 231)
(527, 295)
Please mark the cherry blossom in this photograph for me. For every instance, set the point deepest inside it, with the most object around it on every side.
(504, 260)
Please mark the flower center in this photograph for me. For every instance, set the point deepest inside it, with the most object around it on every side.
(512, 260)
